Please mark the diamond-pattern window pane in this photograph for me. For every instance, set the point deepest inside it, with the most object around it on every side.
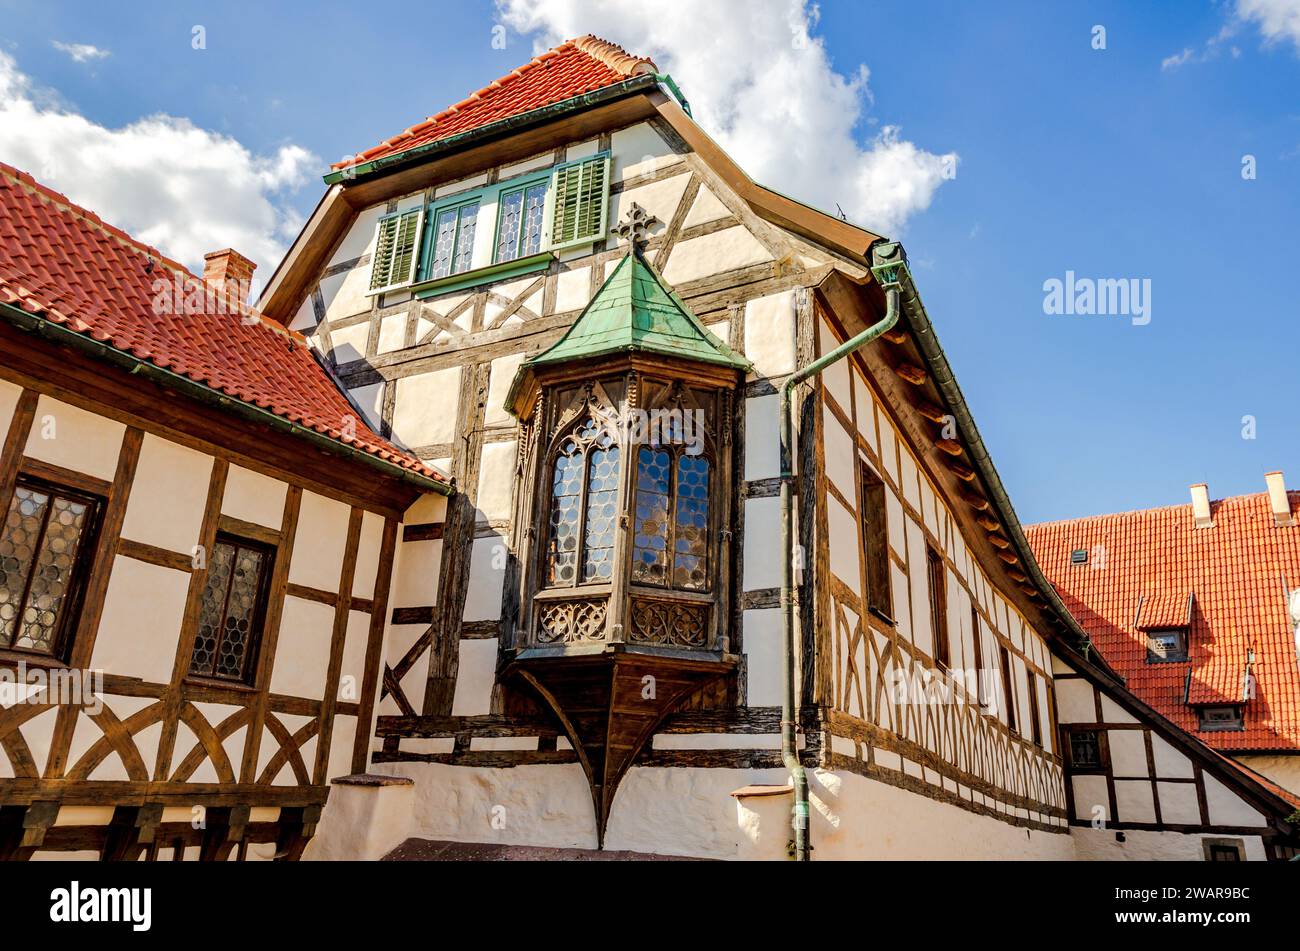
(602, 511)
(566, 501)
(534, 206)
(444, 241)
(691, 534)
(229, 612)
(650, 540)
(45, 533)
(512, 207)
(465, 240)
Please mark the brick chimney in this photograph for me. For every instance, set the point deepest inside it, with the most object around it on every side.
(228, 269)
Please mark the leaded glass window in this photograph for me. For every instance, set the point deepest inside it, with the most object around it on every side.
(584, 507)
(453, 240)
(44, 548)
(232, 610)
(682, 489)
(519, 233)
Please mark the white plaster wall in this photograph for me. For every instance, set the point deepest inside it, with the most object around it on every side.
(713, 253)
(425, 410)
(770, 333)
(75, 439)
(9, 395)
(141, 620)
(532, 805)
(762, 544)
(496, 481)
(168, 495)
(1128, 752)
(476, 673)
(303, 650)
(1283, 770)
(764, 657)
(254, 497)
(502, 375)
(762, 437)
(1099, 845)
(486, 579)
(637, 150)
(368, 551)
(319, 542)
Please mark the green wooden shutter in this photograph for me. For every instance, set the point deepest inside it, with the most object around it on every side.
(395, 249)
(581, 198)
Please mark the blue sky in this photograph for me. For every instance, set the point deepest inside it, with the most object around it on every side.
(1099, 162)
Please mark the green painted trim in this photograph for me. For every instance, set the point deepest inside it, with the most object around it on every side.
(498, 129)
(500, 271)
(59, 334)
(673, 88)
(548, 221)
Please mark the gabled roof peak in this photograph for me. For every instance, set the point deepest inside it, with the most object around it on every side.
(576, 66)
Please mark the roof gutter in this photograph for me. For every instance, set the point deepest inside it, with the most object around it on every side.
(890, 259)
(502, 127)
(63, 336)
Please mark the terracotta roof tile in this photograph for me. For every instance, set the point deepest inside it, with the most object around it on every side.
(61, 262)
(1237, 575)
(570, 69)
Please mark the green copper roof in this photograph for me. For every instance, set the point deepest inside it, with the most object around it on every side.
(635, 310)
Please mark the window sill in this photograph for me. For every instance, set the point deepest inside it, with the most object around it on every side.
(483, 275)
(31, 660)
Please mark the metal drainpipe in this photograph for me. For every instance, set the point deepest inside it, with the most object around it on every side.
(888, 276)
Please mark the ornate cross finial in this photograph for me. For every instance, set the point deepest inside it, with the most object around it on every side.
(635, 226)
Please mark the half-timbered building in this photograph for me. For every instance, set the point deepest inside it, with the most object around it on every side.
(1196, 605)
(727, 571)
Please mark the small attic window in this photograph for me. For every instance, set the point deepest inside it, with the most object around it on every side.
(1079, 556)
(1166, 645)
(1222, 718)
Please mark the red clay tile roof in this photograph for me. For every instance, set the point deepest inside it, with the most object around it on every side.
(570, 69)
(1238, 574)
(62, 263)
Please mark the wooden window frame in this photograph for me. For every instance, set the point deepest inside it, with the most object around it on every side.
(261, 609)
(978, 659)
(675, 454)
(1035, 717)
(1102, 766)
(1179, 656)
(1234, 725)
(1004, 661)
(1210, 846)
(78, 577)
(936, 573)
(874, 527)
(519, 184)
(457, 203)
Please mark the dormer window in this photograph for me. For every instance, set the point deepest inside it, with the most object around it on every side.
(1222, 718)
(1166, 645)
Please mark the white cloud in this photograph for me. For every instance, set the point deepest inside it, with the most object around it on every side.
(167, 182)
(767, 91)
(80, 52)
(1277, 19)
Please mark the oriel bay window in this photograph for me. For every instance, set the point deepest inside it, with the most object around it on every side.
(492, 232)
(624, 518)
(48, 535)
(627, 477)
